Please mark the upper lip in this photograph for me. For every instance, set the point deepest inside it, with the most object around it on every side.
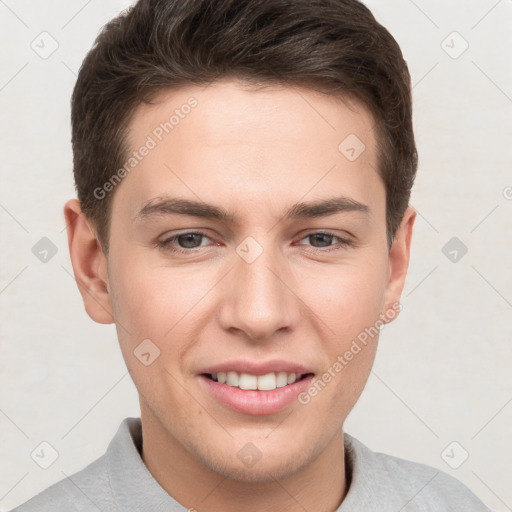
(257, 367)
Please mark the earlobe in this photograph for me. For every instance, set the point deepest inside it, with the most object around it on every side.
(89, 264)
(399, 256)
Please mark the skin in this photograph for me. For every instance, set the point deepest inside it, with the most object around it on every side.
(254, 153)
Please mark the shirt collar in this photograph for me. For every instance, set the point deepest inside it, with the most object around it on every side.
(135, 488)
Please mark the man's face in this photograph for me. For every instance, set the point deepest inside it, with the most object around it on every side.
(258, 293)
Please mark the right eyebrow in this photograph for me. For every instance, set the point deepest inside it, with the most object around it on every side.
(172, 205)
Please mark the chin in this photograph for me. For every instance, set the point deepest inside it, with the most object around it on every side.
(276, 467)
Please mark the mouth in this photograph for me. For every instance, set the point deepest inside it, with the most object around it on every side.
(257, 395)
(250, 382)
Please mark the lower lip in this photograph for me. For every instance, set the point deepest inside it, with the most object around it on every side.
(255, 402)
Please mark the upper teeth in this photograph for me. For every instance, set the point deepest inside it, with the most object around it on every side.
(266, 382)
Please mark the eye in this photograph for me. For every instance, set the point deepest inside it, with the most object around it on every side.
(188, 241)
(185, 241)
(324, 239)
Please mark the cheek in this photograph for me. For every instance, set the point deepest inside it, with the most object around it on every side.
(150, 308)
(153, 301)
(349, 305)
(347, 297)
(138, 299)
(168, 306)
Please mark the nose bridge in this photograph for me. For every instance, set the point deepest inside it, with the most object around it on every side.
(260, 303)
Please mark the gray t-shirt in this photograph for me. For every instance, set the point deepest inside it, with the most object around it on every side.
(119, 481)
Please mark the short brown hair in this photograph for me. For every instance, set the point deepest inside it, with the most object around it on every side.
(333, 46)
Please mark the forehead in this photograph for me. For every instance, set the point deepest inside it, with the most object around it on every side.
(231, 142)
(233, 110)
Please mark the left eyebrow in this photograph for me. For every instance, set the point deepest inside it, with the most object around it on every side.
(170, 205)
(325, 207)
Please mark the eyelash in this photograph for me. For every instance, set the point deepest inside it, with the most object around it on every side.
(166, 244)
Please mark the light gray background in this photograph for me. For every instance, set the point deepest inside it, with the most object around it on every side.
(443, 368)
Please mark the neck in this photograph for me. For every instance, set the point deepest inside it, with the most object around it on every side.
(319, 486)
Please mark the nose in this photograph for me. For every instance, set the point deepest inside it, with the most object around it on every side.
(258, 297)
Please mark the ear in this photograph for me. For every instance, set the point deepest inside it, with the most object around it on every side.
(89, 264)
(398, 264)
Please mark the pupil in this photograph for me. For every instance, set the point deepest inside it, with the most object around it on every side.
(317, 237)
(189, 239)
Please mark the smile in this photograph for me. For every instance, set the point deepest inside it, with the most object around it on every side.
(247, 381)
(277, 396)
